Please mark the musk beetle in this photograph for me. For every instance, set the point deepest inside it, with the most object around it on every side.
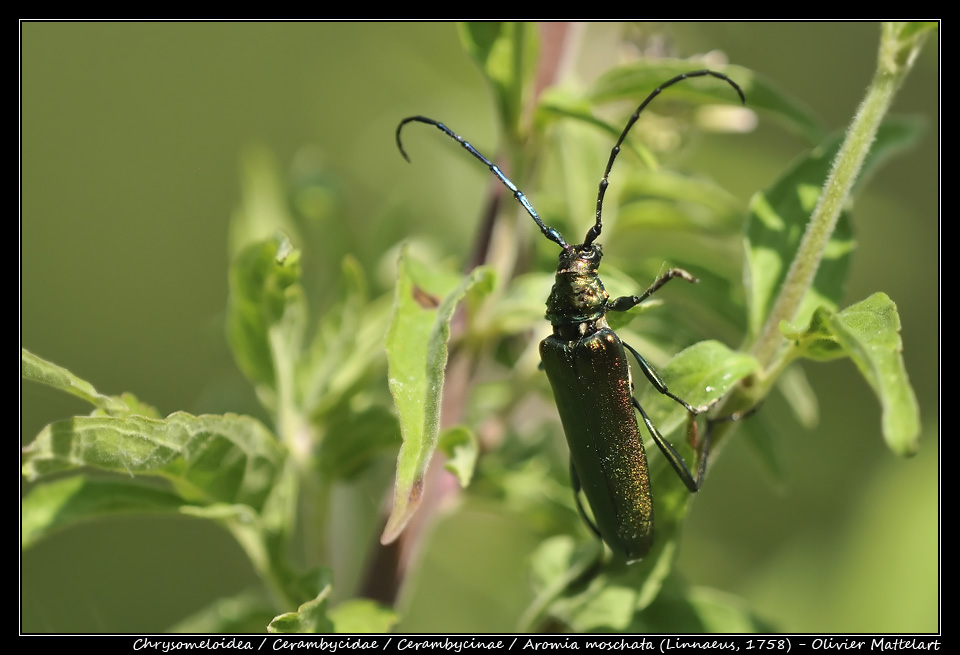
(586, 363)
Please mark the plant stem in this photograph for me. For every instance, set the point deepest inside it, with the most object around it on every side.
(895, 58)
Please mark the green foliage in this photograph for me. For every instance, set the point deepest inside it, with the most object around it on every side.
(507, 55)
(459, 445)
(779, 215)
(62, 503)
(417, 351)
(322, 378)
(329, 424)
(208, 459)
(701, 375)
(868, 332)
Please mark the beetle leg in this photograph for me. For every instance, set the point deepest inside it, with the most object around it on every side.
(736, 416)
(674, 457)
(660, 385)
(575, 485)
(623, 303)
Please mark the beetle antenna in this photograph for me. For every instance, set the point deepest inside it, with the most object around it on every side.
(594, 231)
(548, 231)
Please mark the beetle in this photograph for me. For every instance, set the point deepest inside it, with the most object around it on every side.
(586, 364)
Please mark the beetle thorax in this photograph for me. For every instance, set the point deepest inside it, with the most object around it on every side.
(578, 295)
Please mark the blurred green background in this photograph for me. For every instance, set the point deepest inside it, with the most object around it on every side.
(132, 139)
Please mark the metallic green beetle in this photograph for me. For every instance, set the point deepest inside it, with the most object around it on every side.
(586, 363)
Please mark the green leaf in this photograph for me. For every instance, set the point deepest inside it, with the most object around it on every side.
(460, 446)
(817, 341)
(667, 199)
(348, 427)
(208, 458)
(779, 216)
(677, 608)
(135, 406)
(900, 44)
(340, 353)
(579, 154)
(617, 320)
(556, 103)
(59, 504)
(636, 80)
(556, 567)
(264, 207)
(700, 375)
(774, 231)
(310, 617)
(248, 612)
(506, 54)
(362, 616)
(911, 29)
(869, 333)
(355, 616)
(266, 315)
(587, 596)
(417, 354)
(684, 609)
(352, 440)
(522, 305)
(40, 370)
